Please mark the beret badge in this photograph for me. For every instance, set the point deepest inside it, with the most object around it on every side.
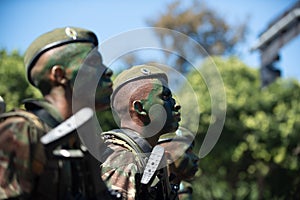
(71, 33)
(145, 71)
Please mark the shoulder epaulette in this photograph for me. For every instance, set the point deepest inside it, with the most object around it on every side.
(139, 149)
(25, 114)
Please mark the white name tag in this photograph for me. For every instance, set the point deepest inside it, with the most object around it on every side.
(152, 164)
(68, 126)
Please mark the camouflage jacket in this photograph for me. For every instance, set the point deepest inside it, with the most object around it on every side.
(22, 156)
(125, 161)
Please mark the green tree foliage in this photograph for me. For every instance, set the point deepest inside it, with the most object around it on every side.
(201, 23)
(257, 154)
(13, 84)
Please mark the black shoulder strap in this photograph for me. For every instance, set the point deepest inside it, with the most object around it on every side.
(36, 108)
(137, 143)
(131, 139)
(45, 117)
(143, 144)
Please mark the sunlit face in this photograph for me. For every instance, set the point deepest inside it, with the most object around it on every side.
(161, 95)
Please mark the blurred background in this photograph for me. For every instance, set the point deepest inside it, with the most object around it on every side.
(253, 44)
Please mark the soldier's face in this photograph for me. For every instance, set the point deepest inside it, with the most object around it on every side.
(93, 78)
(83, 69)
(104, 85)
(161, 95)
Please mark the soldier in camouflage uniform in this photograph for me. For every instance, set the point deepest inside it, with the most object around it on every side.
(52, 62)
(145, 109)
(183, 163)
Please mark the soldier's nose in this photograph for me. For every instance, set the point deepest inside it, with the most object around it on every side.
(108, 73)
(177, 107)
(196, 159)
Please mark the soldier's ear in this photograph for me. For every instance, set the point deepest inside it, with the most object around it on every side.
(138, 107)
(57, 74)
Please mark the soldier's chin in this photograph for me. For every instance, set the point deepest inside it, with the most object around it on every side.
(170, 129)
(102, 104)
(174, 127)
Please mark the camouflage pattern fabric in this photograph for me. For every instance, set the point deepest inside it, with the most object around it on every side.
(121, 172)
(22, 156)
(121, 178)
(183, 162)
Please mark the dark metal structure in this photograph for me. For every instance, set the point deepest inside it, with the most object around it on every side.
(278, 33)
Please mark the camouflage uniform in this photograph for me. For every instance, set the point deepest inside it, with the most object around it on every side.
(28, 170)
(23, 168)
(127, 152)
(122, 178)
(122, 169)
(183, 163)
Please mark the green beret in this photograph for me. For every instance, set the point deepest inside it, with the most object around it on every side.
(137, 73)
(52, 39)
(181, 134)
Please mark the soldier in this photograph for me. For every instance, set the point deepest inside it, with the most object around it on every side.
(52, 62)
(183, 163)
(145, 109)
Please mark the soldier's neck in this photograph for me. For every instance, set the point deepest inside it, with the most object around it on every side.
(61, 100)
(153, 140)
(151, 135)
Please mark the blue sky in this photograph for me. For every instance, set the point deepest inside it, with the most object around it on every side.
(23, 20)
